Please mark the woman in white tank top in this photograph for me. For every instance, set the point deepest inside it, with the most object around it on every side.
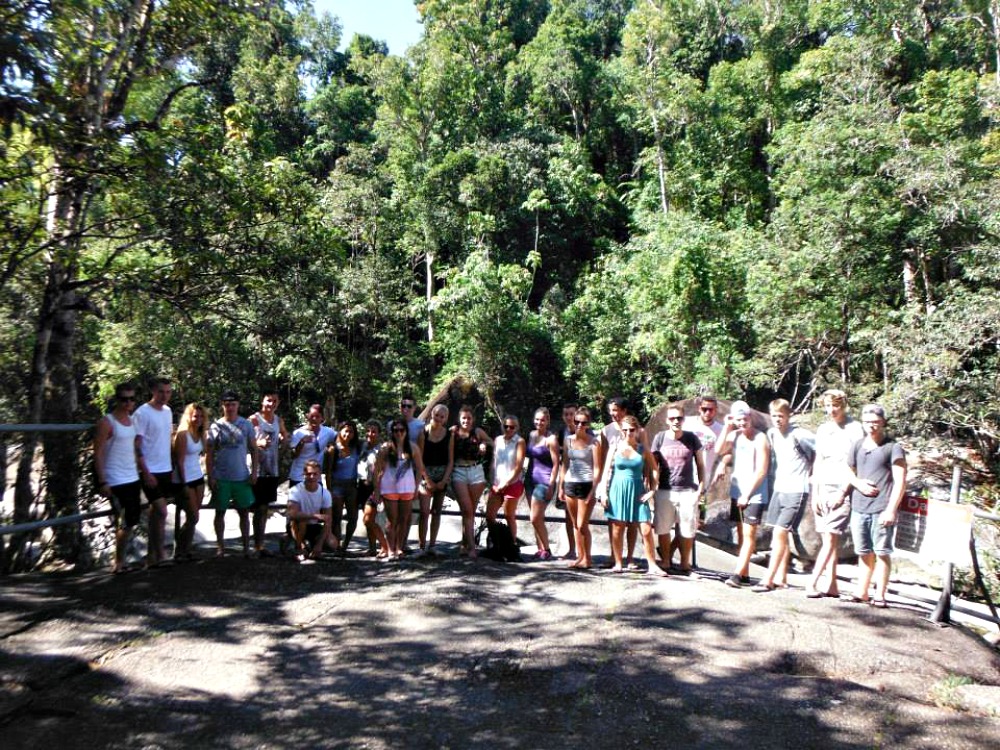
(189, 445)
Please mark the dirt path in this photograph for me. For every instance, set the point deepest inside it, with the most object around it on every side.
(265, 654)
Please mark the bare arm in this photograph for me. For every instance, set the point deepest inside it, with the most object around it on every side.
(102, 433)
(888, 516)
(180, 449)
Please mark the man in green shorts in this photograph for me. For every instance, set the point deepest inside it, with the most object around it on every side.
(230, 440)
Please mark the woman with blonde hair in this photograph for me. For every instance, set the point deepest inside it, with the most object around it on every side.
(188, 448)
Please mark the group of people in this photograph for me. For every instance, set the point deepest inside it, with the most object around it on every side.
(649, 487)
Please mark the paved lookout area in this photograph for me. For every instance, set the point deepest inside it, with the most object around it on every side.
(451, 653)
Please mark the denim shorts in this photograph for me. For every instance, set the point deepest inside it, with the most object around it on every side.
(468, 474)
(869, 535)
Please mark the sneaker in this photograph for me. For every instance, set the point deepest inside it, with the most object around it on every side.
(735, 581)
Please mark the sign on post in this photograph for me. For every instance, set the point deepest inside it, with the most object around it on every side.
(934, 530)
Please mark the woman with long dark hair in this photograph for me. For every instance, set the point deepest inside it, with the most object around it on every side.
(342, 457)
(396, 471)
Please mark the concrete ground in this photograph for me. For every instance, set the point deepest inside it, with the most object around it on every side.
(452, 653)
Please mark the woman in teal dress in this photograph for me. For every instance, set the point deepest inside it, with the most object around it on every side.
(631, 489)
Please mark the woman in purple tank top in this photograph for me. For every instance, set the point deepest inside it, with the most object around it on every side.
(543, 450)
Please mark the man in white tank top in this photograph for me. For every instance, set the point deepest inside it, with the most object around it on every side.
(117, 469)
(154, 424)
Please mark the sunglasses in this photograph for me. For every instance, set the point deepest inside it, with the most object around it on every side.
(127, 398)
(399, 429)
(407, 406)
(581, 422)
(675, 419)
(707, 408)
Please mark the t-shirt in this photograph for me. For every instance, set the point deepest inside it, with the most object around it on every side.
(310, 502)
(874, 463)
(676, 459)
(833, 443)
(231, 443)
(154, 427)
(708, 435)
(745, 467)
(791, 467)
(314, 451)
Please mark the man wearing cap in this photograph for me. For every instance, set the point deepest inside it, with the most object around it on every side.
(877, 465)
(751, 456)
(230, 440)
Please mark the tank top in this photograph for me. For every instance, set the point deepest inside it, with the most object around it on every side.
(192, 458)
(344, 468)
(467, 448)
(505, 459)
(398, 479)
(119, 462)
(268, 457)
(435, 453)
(541, 462)
(581, 464)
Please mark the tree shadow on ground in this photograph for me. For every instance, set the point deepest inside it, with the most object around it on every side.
(238, 654)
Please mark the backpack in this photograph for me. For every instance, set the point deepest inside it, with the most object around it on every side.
(500, 543)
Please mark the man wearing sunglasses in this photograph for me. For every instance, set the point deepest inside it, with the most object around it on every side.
(414, 426)
(707, 428)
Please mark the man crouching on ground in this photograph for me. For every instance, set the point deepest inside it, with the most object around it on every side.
(310, 514)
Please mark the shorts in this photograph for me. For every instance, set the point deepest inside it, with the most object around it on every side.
(751, 515)
(366, 493)
(313, 532)
(829, 519)
(676, 507)
(539, 492)
(786, 508)
(226, 490)
(511, 491)
(164, 488)
(436, 473)
(265, 492)
(195, 483)
(578, 490)
(346, 490)
(468, 475)
(869, 535)
(127, 503)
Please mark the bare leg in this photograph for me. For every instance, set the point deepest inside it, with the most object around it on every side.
(538, 524)
(827, 557)
(425, 517)
(259, 526)
(337, 514)
(666, 548)
(883, 567)
(244, 515)
(747, 547)
(468, 511)
(649, 548)
(779, 547)
(583, 542)
(375, 532)
(351, 523)
(157, 525)
(570, 534)
(220, 530)
(631, 535)
(617, 536)
(510, 513)
(866, 568)
(436, 516)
